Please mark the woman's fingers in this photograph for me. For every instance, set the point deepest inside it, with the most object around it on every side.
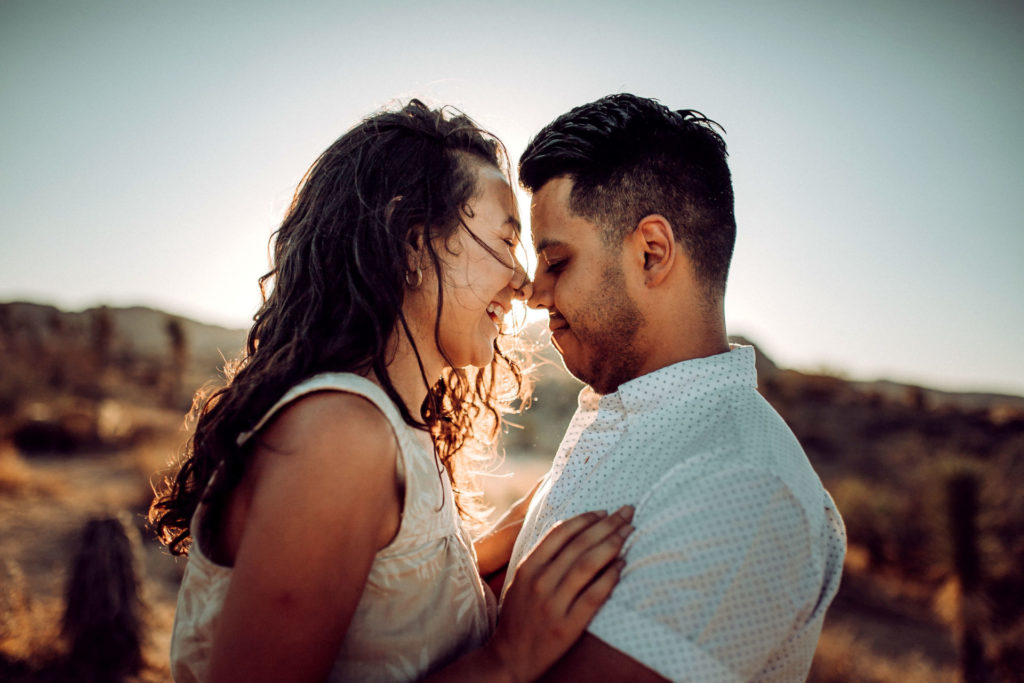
(583, 558)
(585, 606)
(557, 539)
(600, 535)
(571, 556)
(558, 589)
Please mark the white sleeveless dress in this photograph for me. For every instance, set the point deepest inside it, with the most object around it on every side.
(424, 602)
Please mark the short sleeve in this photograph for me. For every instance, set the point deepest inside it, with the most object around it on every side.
(717, 575)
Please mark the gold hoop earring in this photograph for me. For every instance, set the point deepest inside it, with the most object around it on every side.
(418, 278)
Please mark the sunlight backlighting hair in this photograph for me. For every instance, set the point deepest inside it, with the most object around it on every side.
(333, 300)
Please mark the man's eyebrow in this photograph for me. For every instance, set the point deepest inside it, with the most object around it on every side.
(548, 243)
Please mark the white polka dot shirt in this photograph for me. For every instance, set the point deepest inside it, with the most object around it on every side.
(738, 549)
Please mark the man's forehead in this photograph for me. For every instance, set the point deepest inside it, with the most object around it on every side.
(546, 230)
(549, 214)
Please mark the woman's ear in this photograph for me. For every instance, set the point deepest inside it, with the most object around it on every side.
(415, 258)
(657, 244)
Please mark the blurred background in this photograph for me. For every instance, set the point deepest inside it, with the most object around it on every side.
(149, 150)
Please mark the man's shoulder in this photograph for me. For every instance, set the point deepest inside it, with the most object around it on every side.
(746, 443)
(735, 419)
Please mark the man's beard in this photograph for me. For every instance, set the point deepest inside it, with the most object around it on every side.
(606, 337)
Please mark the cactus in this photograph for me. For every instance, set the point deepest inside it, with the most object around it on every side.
(962, 489)
(103, 617)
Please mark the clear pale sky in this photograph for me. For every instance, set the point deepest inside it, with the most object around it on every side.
(147, 150)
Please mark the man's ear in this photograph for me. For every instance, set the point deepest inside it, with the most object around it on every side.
(657, 243)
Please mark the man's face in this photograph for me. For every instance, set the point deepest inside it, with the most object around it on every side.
(580, 281)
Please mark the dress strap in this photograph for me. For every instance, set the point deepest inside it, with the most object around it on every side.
(330, 381)
(346, 382)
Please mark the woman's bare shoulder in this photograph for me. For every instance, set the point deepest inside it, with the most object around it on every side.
(330, 455)
(324, 500)
(327, 458)
(326, 423)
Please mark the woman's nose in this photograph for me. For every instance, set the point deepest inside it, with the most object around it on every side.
(523, 292)
(522, 288)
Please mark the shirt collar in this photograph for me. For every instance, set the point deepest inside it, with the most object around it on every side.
(656, 389)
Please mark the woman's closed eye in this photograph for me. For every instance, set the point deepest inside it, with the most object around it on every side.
(511, 244)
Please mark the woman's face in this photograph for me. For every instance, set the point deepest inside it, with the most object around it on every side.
(479, 283)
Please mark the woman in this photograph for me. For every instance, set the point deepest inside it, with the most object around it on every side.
(316, 494)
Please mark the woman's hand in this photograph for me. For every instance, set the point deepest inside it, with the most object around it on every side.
(557, 590)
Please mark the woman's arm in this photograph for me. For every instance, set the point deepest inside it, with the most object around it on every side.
(494, 547)
(325, 499)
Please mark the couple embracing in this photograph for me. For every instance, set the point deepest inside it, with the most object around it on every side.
(680, 533)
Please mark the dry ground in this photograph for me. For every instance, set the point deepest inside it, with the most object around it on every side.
(45, 500)
(873, 633)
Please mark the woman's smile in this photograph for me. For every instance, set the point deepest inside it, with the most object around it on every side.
(496, 312)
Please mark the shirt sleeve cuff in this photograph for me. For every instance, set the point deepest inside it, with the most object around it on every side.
(666, 652)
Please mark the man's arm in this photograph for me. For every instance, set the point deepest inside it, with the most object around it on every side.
(592, 659)
(714, 580)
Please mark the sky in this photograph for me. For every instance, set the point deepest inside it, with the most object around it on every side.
(148, 150)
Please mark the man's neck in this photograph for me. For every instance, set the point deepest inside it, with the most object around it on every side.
(680, 324)
(668, 350)
(666, 353)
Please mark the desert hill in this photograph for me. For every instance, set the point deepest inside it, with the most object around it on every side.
(40, 343)
(68, 378)
(136, 330)
(927, 481)
(137, 352)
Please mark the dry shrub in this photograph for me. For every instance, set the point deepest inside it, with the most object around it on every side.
(60, 425)
(28, 628)
(15, 475)
(104, 613)
(869, 514)
(841, 657)
(1002, 522)
(18, 479)
(69, 425)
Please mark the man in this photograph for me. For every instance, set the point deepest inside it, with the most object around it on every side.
(738, 550)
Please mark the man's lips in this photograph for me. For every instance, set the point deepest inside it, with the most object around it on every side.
(556, 322)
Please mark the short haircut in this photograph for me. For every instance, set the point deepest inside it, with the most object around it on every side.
(629, 157)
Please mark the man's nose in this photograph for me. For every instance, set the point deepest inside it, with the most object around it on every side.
(540, 294)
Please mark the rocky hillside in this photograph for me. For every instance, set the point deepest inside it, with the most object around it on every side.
(142, 352)
(133, 332)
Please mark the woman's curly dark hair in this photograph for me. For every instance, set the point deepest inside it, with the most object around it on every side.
(333, 299)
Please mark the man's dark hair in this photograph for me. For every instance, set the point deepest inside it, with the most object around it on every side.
(630, 157)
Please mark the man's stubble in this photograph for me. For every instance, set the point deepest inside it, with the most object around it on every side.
(606, 333)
